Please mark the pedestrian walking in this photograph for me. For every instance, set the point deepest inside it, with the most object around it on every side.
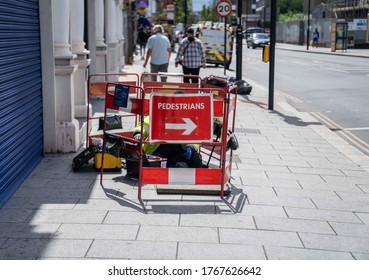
(315, 38)
(191, 56)
(142, 38)
(159, 49)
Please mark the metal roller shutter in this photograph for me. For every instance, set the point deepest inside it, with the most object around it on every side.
(21, 133)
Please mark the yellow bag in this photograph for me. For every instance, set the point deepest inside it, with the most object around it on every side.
(110, 162)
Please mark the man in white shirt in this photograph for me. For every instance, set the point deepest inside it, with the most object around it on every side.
(159, 49)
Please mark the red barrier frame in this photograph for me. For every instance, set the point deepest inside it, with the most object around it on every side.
(99, 88)
(224, 105)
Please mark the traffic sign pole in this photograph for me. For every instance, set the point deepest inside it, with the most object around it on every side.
(223, 9)
(225, 45)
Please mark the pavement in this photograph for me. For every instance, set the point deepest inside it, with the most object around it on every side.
(298, 191)
(363, 53)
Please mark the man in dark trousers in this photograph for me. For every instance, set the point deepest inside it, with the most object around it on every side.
(142, 38)
(191, 55)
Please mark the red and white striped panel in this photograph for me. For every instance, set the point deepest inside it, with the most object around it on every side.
(181, 176)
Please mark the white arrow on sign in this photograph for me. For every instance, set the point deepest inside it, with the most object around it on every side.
(188, 126)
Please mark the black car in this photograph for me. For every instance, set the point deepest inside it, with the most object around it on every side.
(247, 33)
(258, 40)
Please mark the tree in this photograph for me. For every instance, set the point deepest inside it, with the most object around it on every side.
(290, 6)
(180, 11)
(209, 13)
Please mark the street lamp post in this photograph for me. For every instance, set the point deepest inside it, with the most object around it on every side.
(308, 29)
(239, 41)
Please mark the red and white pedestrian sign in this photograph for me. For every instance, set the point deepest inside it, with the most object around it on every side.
(224, 8)
(181, 118)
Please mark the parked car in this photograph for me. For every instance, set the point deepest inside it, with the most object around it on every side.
(246, 33)
(258, 40)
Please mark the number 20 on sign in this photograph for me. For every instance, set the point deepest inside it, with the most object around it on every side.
(224, 8)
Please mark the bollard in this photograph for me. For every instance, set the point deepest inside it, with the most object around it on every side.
(266, 54)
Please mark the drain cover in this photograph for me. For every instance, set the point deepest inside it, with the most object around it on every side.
(247, 130)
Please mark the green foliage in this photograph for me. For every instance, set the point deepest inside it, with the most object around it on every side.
(290, 10)
(208, 13)
(290, 16)
(180, 11)
(286, 6)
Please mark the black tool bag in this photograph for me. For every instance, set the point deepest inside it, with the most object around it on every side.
(243, 87)
(112, 122)
(84, 157)
(217, 81)
(221, 81)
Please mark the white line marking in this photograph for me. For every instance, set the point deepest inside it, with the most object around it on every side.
(357, 128)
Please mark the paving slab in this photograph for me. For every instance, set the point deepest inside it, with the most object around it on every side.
(139, 218)
(217, 221)
(68, 216)
(96, 231)
(335, 243)
(341, 205)
(258, 210)
(178, 234)
(293, 225)
(328, 194)
(285, 253)
(349, 196)
(133, 250)
(192, 251)
(259, 237)
(15, 215)
(363, 217)
(364, 187)
(348, 229)
(18, 249)
(359, 256)
(322, 215)
(282, 201)
(25, 230)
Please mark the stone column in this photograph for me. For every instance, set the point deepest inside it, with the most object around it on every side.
(81, 61)
(67, 126)
(101, 48)
(111, 36)
(120, 34)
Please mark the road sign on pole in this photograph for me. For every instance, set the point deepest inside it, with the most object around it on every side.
(181, 118)
(223, 8)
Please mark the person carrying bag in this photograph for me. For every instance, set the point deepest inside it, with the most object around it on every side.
(191, 56)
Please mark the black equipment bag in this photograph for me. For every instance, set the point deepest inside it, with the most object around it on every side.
(112, 122)
(243, 87)
(220, 81)
(84, 157)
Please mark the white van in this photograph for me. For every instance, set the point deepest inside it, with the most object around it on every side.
(213, 40)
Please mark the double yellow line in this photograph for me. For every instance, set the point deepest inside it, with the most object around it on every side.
(345, 134)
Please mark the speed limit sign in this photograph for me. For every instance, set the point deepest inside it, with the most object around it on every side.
(224, 8)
